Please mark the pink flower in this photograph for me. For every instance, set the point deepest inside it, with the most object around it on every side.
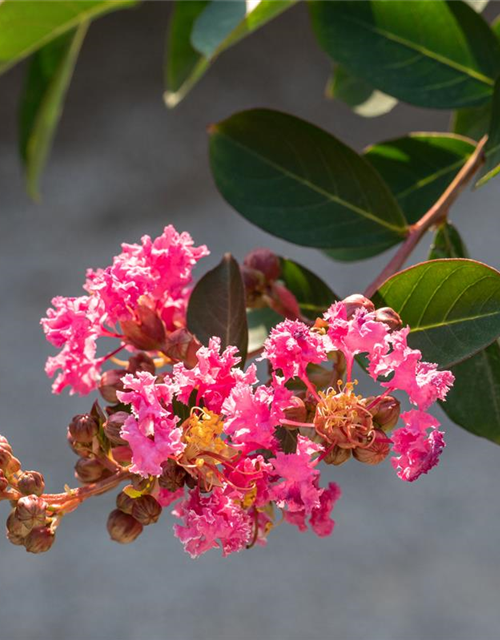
(74, 325)
(210, 521)
(250, 474)
(252, 414)
(419, 450)
(151, 430)
(166, 497)
(214, 375)
(299, 490)
(320, 520)
(291, 346)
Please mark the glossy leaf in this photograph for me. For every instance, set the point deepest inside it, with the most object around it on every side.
(299, 183)
(217, 307)
(451, 306)
(491, 166)
(418, 168)
(28, 26)
(432, 54)
(447, 244)
(363, 99)
(313, 295)
(200, 33)
(47, 81)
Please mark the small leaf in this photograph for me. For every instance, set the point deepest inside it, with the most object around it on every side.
(28, 26)
(492, 149)
(447, 244)
(363, 99)
(217, 307)
(198, 34)
(419, 167)
(47, 81)
(432, 54)
(451, 306)
(299, 183)
(313, 295)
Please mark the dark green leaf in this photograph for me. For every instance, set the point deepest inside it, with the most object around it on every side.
(447, 244)
(27, 26)
(359, 95)
(313, 295)
(492, 149)
(451, 306)
(432, 54)
(47, 81)
(302, 184)
(418, 168)
(199, 34)
(217, 307)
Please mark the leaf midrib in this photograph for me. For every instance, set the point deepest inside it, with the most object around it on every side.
(450, 322)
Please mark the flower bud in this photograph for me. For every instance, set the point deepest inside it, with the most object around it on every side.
(283, 302)
(146, 331)
(173, 476)
(254, 283)
(355, 302)
(4, 441)
(124, 502)
(110, 383)
(122, 527)
(14, 466)
(146, 510)
(266, 262)
(181, 346)
(113, 426)
(5, 456)
(31, 511)
(139, 483)
(79, 448)
(337, 456)
(386, 413)
(15, 527)
(89, 470)
(297, 410)
(141, 362)
(39, 540)
(376, 452)
(389, 317)
(4, 483)
(122, 454)
(83, 428)
(31, 482)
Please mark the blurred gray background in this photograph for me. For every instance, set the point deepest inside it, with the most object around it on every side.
(416, 561)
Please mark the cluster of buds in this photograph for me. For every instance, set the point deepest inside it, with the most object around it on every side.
(186, 425)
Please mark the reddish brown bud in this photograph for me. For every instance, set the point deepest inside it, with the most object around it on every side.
(122, 454)
(297, 410)
(173, 476)
(389, 317)
(386, 413)
(255, 285)
(146, 510)
(89, 470)
(83, 428)
(122, 527)
(124, 502)
(355, 302)
(14, 466)
(79, 448)
(110, 383)
(15, 526)
(4, 441)
(265, 261)
(181, 346)
(39, 540)
(146, 331)
(337, 456)
(139, 483)
(5, 456)
(141, 362)
(376, 452)
(4, 483)
(113, 426)
(284, 302)
(31, 511)
(31, 482)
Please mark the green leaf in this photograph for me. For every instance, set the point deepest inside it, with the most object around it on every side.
(199, 33)
(451, 306)
(359, 95)
(447, 244)
(492, 149)
(47, 81)
(472, 122)
(418, 168)
(313, 295)
(432, 54)
(28, 26)
(217, 307)
(302, 184)
(260, 323)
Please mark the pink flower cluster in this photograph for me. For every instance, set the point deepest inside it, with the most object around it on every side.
(151, 280)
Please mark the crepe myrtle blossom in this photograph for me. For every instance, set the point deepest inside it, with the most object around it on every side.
(140, 299)
(195, 432)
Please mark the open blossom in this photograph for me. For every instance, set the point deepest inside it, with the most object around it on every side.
(320, 516)
(145, 289)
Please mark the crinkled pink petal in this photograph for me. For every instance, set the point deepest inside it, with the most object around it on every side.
(320, 520)
(250, 473)
(166, 497)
